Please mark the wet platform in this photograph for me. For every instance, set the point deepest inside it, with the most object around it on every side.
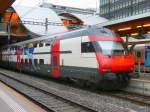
(11, 101)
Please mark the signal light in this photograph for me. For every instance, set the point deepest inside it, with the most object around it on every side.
(107, 70)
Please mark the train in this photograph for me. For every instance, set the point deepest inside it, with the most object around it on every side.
(91, 55)
(142, 57)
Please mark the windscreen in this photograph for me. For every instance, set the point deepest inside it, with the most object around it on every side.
(112, 48)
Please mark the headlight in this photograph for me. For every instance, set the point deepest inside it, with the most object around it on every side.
(106, 70)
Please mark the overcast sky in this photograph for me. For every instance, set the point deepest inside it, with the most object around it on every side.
(72, 3)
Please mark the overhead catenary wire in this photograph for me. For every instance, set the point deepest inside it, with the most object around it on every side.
(43, 23)
(73, 26)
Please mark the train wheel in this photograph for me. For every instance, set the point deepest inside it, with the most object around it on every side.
(123, 79)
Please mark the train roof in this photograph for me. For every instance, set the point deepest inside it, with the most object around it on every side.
(90, 30)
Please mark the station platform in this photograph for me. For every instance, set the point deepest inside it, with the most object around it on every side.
(144, 76)
(140, 84)
(11, 101)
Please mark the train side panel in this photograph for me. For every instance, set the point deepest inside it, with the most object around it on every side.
(75, 63)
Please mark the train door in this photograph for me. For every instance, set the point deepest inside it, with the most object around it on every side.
(55, 58)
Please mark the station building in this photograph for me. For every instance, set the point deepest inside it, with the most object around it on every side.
(20, 28)
(130, 19)
(116, 9)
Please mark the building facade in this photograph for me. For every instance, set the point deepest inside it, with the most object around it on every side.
(117, 9)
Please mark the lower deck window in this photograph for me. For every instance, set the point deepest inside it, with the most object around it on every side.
(40, 44)
(42, 61)
(35, 61)
(22, 61)
(30, 61)
(26, 61)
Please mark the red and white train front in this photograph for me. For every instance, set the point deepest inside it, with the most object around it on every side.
(114, 59)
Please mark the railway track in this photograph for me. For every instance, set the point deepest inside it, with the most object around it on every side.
(132, 97)
(46, 100)
(101, 104)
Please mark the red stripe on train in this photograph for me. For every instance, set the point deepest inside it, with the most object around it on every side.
(103, 38)
(55, 58)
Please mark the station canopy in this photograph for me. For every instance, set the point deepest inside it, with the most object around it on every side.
(4, 4)
(137, 26)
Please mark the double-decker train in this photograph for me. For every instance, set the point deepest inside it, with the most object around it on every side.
(92, 55)
(142, 57)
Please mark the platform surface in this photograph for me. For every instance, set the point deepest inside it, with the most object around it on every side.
(4, 107)
(7, 104)
(140, 85)
(11, 101)
(144, 76)
(141, 77)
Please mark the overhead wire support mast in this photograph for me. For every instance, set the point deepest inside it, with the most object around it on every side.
(46, 23)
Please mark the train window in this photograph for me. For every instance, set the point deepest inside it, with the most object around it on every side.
(30, 61)
(26, 61)
(21, 51)
(47, 44)
(112, 48)
(138, 54)
(40, 44)
(35, 61)
(25, 50)
(35, 45)
(11, 49)
(87, 47)
(22, 61)
(42, 61)
(14, 48)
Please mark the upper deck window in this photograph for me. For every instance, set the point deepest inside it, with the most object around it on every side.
(40, 44)
(47, 44)
(26, 61)
(87, 47)
(35, 61)
(35, 45)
